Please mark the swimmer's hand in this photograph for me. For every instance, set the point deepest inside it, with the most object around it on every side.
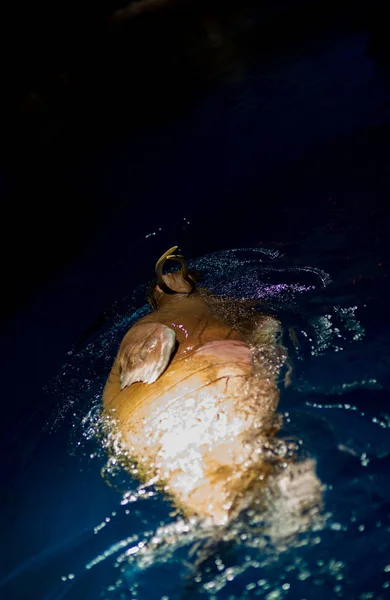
(145, 352)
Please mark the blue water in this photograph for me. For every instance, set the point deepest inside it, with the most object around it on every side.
(82, 520)
(308, 207)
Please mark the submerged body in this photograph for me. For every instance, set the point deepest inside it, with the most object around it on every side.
(194, 403)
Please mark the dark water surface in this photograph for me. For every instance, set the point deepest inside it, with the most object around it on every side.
(298, 175)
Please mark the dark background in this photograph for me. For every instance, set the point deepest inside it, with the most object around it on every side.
(258, 121)
(78, 82)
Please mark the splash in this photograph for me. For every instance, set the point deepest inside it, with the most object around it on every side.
(260, 274)
(272, 553)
